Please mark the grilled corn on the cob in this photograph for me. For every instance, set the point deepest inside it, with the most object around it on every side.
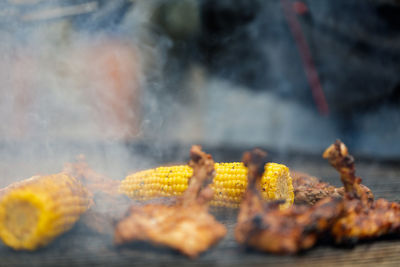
(229, 183)
(35, 211)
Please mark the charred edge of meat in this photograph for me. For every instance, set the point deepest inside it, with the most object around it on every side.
(255, 161)
(203, 173)
(289, 231)
(338, 156)
(251, 207)
(201, 161)
(257, 221)
(361, 223)
(363, 218)
(256, 157)
(273, 205)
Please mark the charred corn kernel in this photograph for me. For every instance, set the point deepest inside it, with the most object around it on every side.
(35, 211)
(229, 185)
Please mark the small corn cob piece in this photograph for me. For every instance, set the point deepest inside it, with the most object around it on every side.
(35, 211)
(229, 184)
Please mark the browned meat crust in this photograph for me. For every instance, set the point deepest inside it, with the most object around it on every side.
(291, 230)
(363, 218)
(309, 189)
(190, 230)
(355, 216)
(186, 226)
(269, 229)
(361, 223)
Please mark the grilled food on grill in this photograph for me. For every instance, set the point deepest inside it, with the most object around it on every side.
(106, 197)
(186, 226)
(353, 217)
(37, 210)
(309, 189)
(93, 181)
(267, 228)
(229, 183)
(362, 222)
(363, 218)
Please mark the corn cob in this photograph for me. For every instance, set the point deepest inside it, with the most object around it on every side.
(229, 184)
(35, 211)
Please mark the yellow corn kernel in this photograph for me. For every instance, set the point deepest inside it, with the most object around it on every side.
(229, 184)
(37, 210)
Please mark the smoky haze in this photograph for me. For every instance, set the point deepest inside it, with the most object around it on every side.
(97, 75)
(67, 90)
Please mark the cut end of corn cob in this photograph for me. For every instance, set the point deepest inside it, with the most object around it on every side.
(35, 211)
(229, 184)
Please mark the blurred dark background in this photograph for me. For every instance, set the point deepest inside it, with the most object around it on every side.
(288, 74)
(267, 46)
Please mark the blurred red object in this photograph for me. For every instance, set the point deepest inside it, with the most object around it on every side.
(306, 57)
(300, 7)
(113, 71)
(85, 90)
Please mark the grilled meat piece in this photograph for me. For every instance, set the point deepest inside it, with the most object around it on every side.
(339, 157)
(361, 223)
(353, 217)
(267, 228)
(92, 180)
(190, 229)
(108, 205)
(186, 226)
(309, 189)
(363, 218)
(288, 231)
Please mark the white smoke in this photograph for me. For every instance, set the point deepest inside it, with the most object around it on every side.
(65, 91)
